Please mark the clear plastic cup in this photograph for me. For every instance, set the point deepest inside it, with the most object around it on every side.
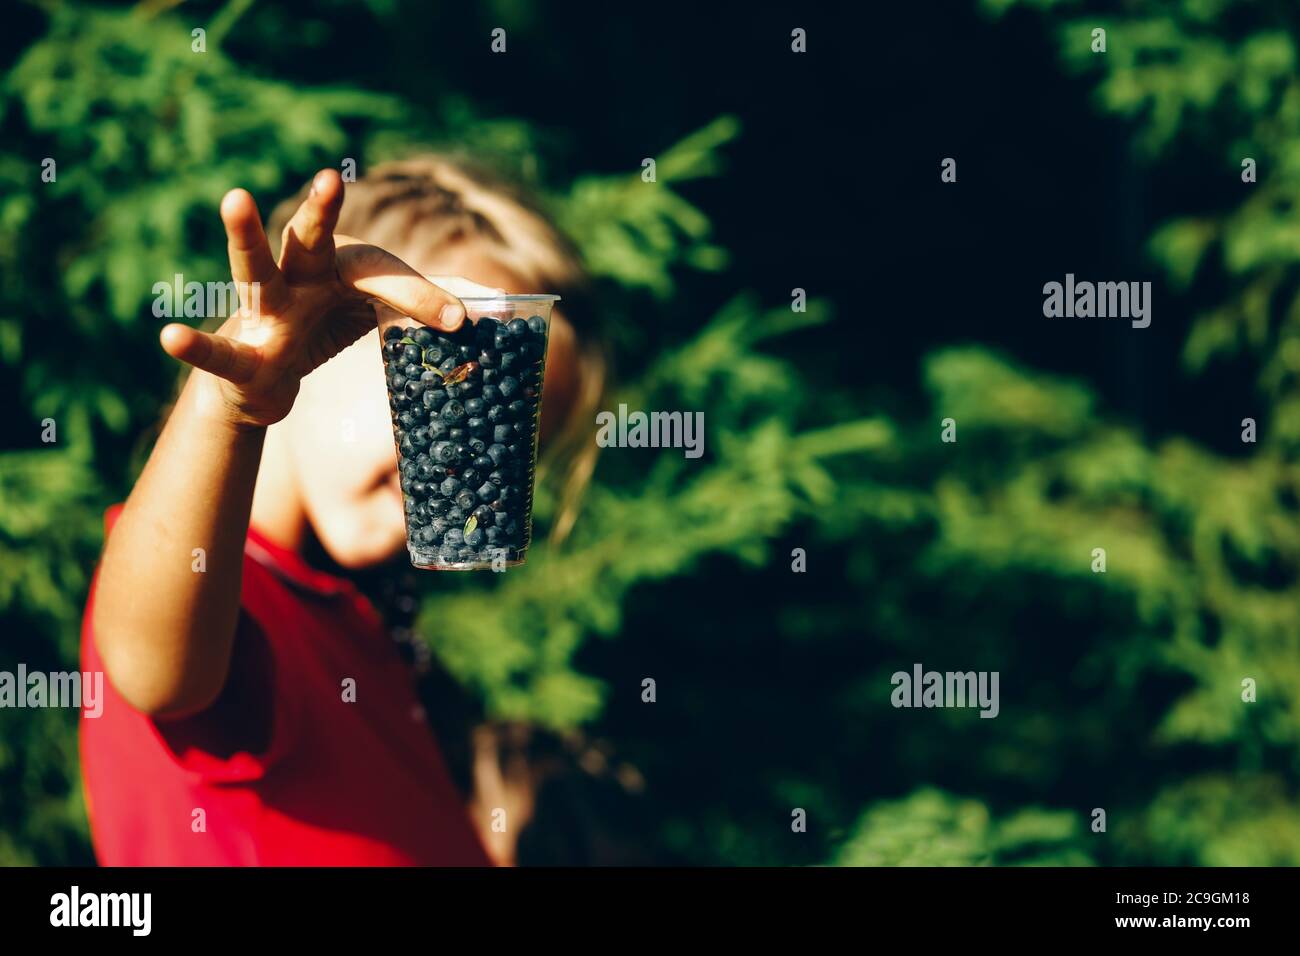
(466, 408)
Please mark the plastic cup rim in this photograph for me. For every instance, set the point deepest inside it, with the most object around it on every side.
(509, 298)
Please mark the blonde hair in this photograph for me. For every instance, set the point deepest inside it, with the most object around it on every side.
(435, 201)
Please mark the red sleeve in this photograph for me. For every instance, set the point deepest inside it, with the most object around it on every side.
(252, 724)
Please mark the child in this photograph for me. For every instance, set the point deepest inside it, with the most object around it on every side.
(257, 711)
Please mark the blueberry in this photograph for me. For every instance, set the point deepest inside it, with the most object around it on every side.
(424, 470)
(438, 429)
(523, 429)
(491, 395)
(409, 504)
(396, 380)
(487, 491)
(434, 398)
(474, 406)
(530, 351)
(509, 361)
(406, 484)
(465, 500)
(536, 325)
(497, 414)
(420, 437)
(449, 486)
(439, 526)
(497, 477)
(391, 351)
(515, 449)
(487, 358)
(456, 434)
(412, 355)
(469, 476)
(419, 489)
(425, 535)
(518, 409)
(447, 364)
(455, 517)
(478, 427)
(474, 538)
(477, 446)
(423, 337)
(444, 452)
(502, 434)
(497, 452)
(438, 506)
(406, 419)
(485, 516)
(517, 327)
(406, 448)
(467, 353)
(507, 385)
(393, 333)
(453, 413)
(462, 452)
(453, 537)
(483, 463)
(490, 375)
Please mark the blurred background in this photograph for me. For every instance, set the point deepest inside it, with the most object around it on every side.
(775, 171)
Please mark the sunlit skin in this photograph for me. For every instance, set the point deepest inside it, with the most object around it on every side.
(258, 431)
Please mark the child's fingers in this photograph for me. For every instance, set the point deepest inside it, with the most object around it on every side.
(381, 275)
(307, 246)
(231, 360)
(250, 254)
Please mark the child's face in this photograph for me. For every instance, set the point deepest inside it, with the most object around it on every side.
(340, 437)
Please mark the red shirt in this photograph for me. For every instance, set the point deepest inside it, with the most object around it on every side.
(281, 770)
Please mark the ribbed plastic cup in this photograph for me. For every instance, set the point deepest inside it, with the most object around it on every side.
(466, 408)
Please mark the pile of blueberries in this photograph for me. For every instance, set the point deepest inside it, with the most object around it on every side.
(465, 410)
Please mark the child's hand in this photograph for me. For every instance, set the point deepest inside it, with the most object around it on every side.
(304, 310)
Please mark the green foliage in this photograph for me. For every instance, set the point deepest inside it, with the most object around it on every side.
(931, 828)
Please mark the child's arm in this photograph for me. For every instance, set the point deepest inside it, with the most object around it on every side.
(164, 630)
